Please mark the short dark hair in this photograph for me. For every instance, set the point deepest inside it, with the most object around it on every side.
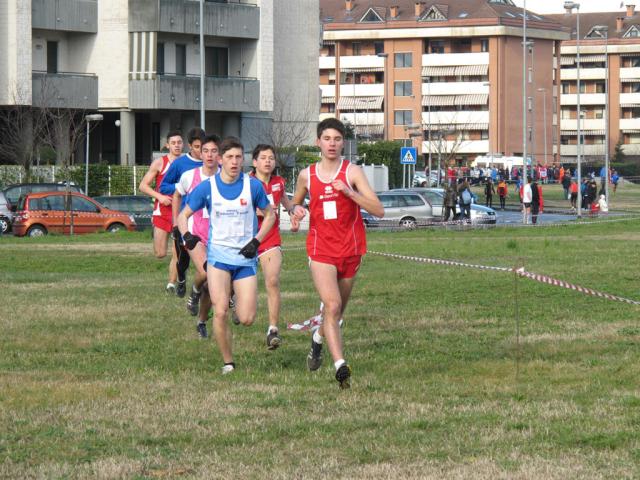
(211, 138)
(229, 143)
(174, 133)
(196, 133)
(328, 123)
(262, 147)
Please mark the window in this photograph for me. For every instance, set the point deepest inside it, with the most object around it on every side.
(155, 136)
(599, 87)
(389, 201)
(413, 201)
(79, 204)
(371, 16)
(402, 60)
(484, 135)
(52, 57)
(598, 113)
(160, 55)
(403, 89)
(181, 59)
(378, 47)
(216, 62)
(583, 87)
(356, 48)
(484, 45)
(565, 87)
(402, 117)
(437, 46)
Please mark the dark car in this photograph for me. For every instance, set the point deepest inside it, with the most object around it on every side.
(140, 207)
(6, 215)
(14, 192)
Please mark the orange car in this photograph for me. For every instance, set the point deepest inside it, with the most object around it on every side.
(58, 212)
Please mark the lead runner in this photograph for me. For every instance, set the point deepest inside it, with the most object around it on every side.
(336, 240)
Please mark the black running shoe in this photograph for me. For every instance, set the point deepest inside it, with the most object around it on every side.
(273, 340)
(314, 359)
(181, 288)
(232, 307)
(202, 329)
(193, 304)
(343, 374)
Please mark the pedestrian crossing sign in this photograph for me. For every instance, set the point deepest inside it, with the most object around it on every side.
(408, 155)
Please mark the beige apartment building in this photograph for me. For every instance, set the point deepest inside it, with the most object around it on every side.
(137, 62)
(446, 77)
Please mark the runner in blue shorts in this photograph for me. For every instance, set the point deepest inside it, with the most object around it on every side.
(231, 198)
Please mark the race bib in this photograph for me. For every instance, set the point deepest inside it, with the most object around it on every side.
(270, 197)
(330, 210)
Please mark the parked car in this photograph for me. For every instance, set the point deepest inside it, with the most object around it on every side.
(6, 215)
(14, 192)
(140, 207)
(479, 213)
(53, 212)
(404, 208)
(420, 178)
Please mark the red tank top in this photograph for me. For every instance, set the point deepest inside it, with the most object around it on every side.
(158, 209)
(274, 190)
(336, 228)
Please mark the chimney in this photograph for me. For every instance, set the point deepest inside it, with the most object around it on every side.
(631, 10)
(417, 9)
(619, 24)
(348, 5)
(568, 10)
(394, 11)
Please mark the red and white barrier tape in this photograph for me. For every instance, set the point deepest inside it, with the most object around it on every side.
(520, 271)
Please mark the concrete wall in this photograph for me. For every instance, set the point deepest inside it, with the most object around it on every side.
(15, 54)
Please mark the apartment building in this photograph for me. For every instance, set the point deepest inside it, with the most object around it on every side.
(609, 82)
(137, 62)
(445, 76)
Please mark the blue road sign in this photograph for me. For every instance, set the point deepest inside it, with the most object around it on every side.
(408, 155)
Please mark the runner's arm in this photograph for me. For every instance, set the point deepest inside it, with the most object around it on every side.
(147, 180)
(183, 219)
(298, 210)
(362, 193)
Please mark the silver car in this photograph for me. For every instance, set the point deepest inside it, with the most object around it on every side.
(6, 215)
(404, 208)
(435, 196)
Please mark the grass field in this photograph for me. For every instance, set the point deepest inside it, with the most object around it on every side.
(102, 375)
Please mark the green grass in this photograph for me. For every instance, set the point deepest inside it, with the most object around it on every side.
(101, 374)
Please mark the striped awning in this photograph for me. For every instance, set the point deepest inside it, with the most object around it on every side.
(448, 100)
(454, 71)
(360, 103)
(630, 105)
(630, 130)
(328, 100)
(571, 60)
(582, 132)
(369, 129)
(630, 80)
(362, 69)
(458, 127)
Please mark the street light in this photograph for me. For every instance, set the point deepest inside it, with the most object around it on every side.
(605, 29)
(544, 120)
(96, 117)
(386, 98)
(410, 135)
(569, 7)
(202, 51)
(524, 88)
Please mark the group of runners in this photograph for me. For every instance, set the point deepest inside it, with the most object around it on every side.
(224, 221)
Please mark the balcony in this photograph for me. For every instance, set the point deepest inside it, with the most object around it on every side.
(629, 124)
(586, 124)
(327, 63)
(361, 90)
(65, 15)
(371, 118)
(586, 150)
(453, 146)
(631, 149)
(585, 99)
(229, 94)
(629, 99)
(368, 63)
(454, 88)
(461, 118)
(629, 73)
(328, 90)
(454, 59)
(230, 20)
(585, 74)
(65, 90)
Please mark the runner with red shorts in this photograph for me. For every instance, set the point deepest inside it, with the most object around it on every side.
(270, 253)
(336, 240)
(162, 213)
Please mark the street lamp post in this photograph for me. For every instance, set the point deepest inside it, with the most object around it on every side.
(524, 89)
(96, 117)
(569, 6)
(202, 51)
(544, 120)
(605, 29)
(386, 98)
(429, 129)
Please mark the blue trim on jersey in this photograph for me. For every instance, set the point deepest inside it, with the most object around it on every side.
(176, 169)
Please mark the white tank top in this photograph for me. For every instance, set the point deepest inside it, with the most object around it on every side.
(232, 221)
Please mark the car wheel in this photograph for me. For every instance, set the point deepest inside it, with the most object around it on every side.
(408, 222)
(4, 225)
(36, 231)
(115, 227)
(423, 184)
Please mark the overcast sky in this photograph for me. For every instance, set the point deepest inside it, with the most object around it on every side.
(555, 6)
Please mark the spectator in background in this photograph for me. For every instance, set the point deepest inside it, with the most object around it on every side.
(566, 182)
(537, 201)
(489, 191)
(614, 180)
(573, 190)
(465, 198)
(450, 198)
(526, 198)
(604, 177)
(502, 192)
(602, 205)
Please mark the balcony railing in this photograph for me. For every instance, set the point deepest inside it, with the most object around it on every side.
(65, 90)
(65, 15)
(228, 19)
(176, 92)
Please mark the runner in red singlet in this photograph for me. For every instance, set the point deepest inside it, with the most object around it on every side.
(269, 253)
(162, 216)
(336, 239)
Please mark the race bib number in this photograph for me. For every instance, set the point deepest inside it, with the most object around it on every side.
(270, 198)
(330, 210)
